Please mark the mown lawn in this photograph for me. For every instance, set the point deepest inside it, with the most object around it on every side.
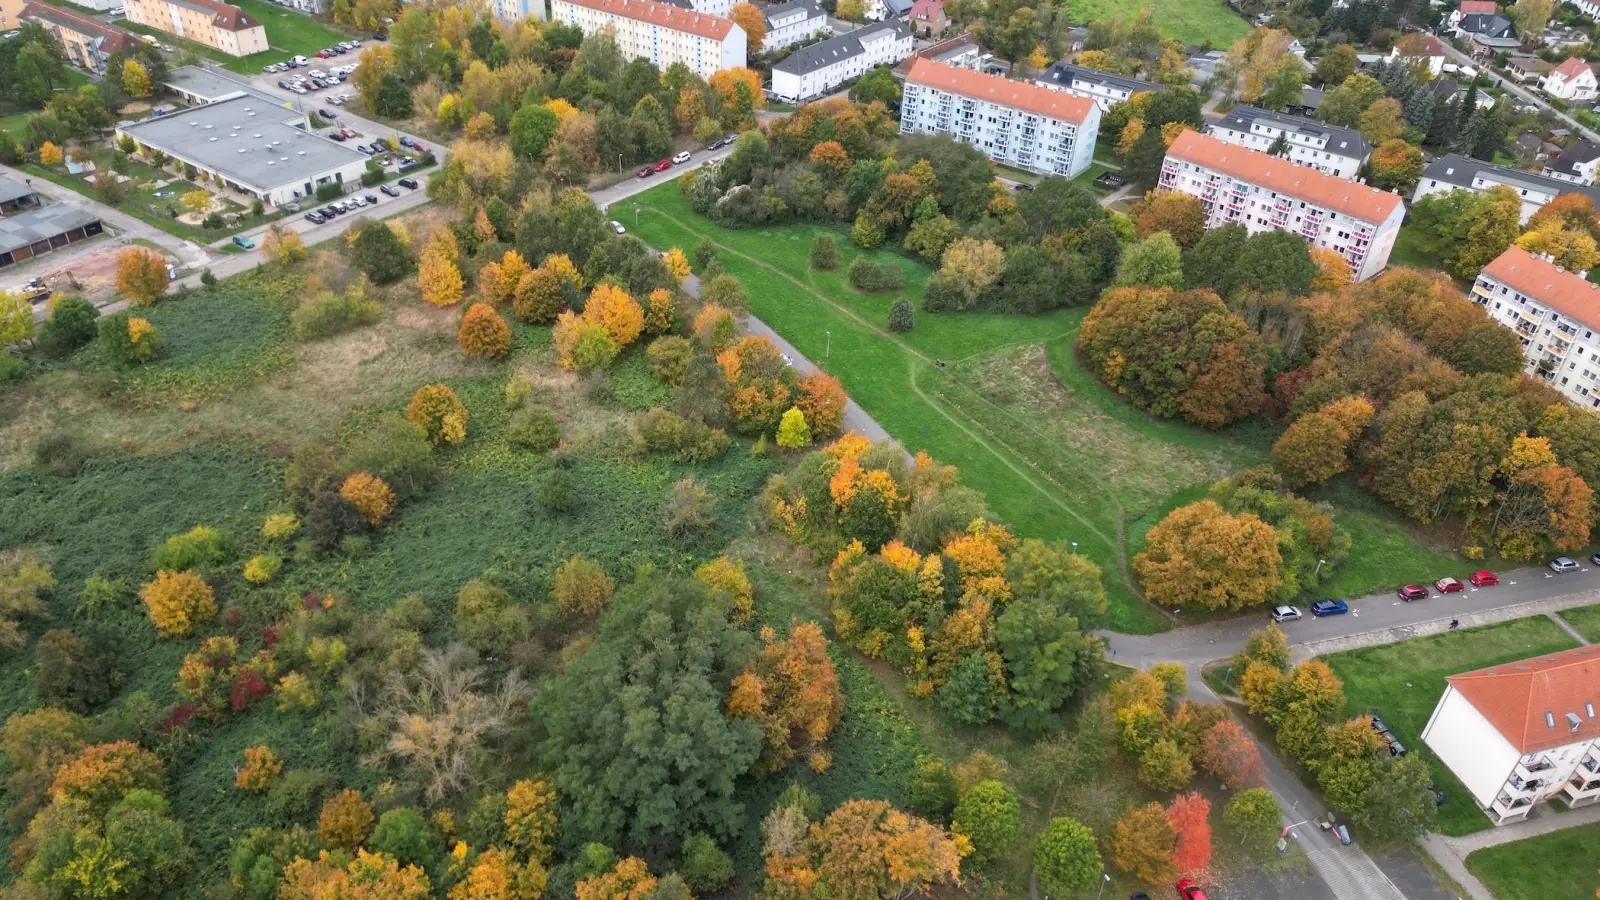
(1189, 21)
(1586, 620)
(1556, 866)
(1402, 682)
(288, 34)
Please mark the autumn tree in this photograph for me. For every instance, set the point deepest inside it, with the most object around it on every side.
(1315, 447)
(868, 850)
(793, 433)
(1199, 555)
(178, 602)
(141, 275)
(1190, 815)
(530, 818)
(1333, 271)
(1396, 165)
(1381, 122)
(261, 768)
(1178, 214)
(1065, 858)
(792, 690)
(370, 496)
(135, 79)
(748, 17)
(582, 587)
(972, 266)
(102, 774)
(439, 278)
(49, 154)
(617, 312)
(368, 875)
(345, 819)
(1143, 844)
(1229, 754)
(483, 333)
(822, 399)
(438, 411)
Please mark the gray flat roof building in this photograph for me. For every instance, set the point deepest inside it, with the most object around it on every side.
(31, 233)
(12, 191)
(197, 86)
(253, 146)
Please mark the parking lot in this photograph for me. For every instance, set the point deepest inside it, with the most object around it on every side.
(303, 75)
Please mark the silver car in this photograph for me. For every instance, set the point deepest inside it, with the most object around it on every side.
(1563, 564)
(1285, 613)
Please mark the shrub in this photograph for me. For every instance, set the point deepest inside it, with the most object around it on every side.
(370, 496)
(488, 619)
(70, 326)
(901, 319)
(725, 291)
(295, 693)
(989, 816)
(534, 428)
(582, 346)
(484, 334)
(723, 574)
(519, 390)
(558, 493)
(824, 253)
(661, 312)
(328, 314)
(705, 867)
(297, 792)
(260, 769)
(279, 526)
(12, 368)
(76, 673)
(178, 602)
(659, 430)
(437, 410)
(129, 340)
(103, 774)
(345, 820)
(793, 431)
(702, 443)
(197, 548)
(714, 327)
(871, 276)
(262, 568)
(669, 358)
(582, 588)
(397, 452)
(405, 835)
(689, 508)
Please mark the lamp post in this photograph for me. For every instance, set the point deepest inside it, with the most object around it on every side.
(1319, 568)
(827, 350)
(1106, 879)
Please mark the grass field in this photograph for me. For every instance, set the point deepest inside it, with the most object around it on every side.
(1558, 866)
(288, 34)
(1058, 455)
(1402, 683)
(1586, 620)
(1189, 21)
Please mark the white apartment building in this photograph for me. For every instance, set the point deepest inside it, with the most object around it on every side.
(516, 10)
(1456, 172)
(1578, 163)
(1104, 88)
(1264, 193)
(1523, 732)
(660, 32)
(1020, 124)
(709, 7)
(790, 23)
(1589, 8)
(820, 68)
(1326, 148)
(1573, 81)
(1555, 314)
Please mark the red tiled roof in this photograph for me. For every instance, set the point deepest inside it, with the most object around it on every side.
(665, 15)
(1302, 182)
(1546, 282)
(226, 16)
(1419, 45)
(1477, 7)
(114, 38)
(1515, 697)
(927, 10)
(1571, 69)
(994, 89)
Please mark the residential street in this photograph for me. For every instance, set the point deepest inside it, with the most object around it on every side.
(1460, 58)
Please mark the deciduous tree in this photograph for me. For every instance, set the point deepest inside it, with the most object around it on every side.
(792, 690)
(1190, 817)
(1065, 858)
(1228, 753)
(1143, 844)
(483, 333)
(178, 602)
(1199, 555)
(141, 275)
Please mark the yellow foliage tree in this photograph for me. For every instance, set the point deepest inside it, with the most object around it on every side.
(561, 108)
(483, 333)
(439, 279)
(480, 127)
(370, 496)
(197, 201)
(135, 79)
(677, 264)
(178, 602)
(49, 154)
(630, 879)
(141, 275)
(1333, 272)
(662, 313)
(530, 818)
(260, 769)
(723, 574)
(437, 410)
(496, 875)
(617, 312)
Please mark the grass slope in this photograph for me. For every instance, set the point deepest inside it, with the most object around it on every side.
(1189, 21)
(1402, 683)
(1556, 866)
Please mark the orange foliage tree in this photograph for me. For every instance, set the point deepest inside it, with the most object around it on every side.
(345, 820)
(1143, 844)
(370, 495)
(661, 313)
(437, 410)
(630, 879)
(102, 774)
(178, 602)
(496, 875)
(260, 769)
(141, 275)
(498, 281)
(792, 689)
(613, 309)
(832, 158)
(822, 398)
(1189, 815)
(483, 333)
(370, 876)
(1200, 555)
(867, 849)
(754, 23)
(727, 81)
(1228, 753)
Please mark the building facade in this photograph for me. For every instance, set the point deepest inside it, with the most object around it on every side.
(1013, 122)
(1522, 733)
(210, 23)
(1326, 148)
(790, 23)
(961, 50)
(660, 32)
(1556, 315)
(1455, 172)
(1590, 8)
(1264, 193)
(927, 18)
(1420, 50)
(517, 10)
(85, 42)
(1573, 80)
(1576, 163)
(820, 68)
(1104, 88)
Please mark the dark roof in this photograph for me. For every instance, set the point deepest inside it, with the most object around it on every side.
(112, 38)
(1342, 141)
(832, 50)
(1490, 25)
(28, 228)
(897, 7)
(1063, 74)
(1310, 98)
(1574, 156)
(783, 9)
(14, 190)
(939, 52)
(1460, 170)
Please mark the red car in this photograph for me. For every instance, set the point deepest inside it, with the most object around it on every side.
(645, 172)
(322, 54)
(419, 147)
(1188, 890)
(1413, 592)
(1448, 586)
(1484, 579)
(664, 165)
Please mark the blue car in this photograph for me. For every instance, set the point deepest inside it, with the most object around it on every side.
(1329, 608)
(244, 242)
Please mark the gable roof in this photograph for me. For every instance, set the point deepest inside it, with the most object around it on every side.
(778, 11)
(1418, 45)
(1064, 74)
(1556, 288)
(927, 10)
(664, 15)
(1004, 91)
(1341, 141)
(1517, 697)
(1462, 171)
(1528, 64)
(955, 46)
(834, 49)
(1571, 68)
(112, 38)
(1487, 24)
(1303, 182)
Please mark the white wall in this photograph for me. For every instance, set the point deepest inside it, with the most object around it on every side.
(1264, 133)
(1531, 199)
(1471, 748)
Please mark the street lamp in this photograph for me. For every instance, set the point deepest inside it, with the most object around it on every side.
(1319, 568)
(1106, 881)
(827, 351)
(1074, 546)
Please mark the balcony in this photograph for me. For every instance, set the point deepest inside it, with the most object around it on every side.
(1505, 804)
(1528, 328)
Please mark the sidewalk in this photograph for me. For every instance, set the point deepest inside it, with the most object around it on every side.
(1451, 852)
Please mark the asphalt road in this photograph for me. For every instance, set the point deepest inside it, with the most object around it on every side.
(1521, 92)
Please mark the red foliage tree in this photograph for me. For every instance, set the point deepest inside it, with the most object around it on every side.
(1190, 817)
(1228, 753)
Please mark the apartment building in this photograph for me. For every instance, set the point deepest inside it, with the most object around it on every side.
(517, 10)
(86, 43)
(961, 50)
(820, 68)
(1522, 733)
(1556, 315)
(1264, 193)
(1456, 172)
(1590, 8)
(1013, 122)
(1326, 148)
(210, 23)
(790, 23)
(1577, 163)
(1104, 88)
(709, 7)
(660, 32)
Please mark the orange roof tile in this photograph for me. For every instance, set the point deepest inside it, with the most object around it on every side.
(1547, 283)
(994, 89)
(1516, 696)
(664, 15)
(1477, 7)
(1414, 46)
(1301, 182)
(1571, 69)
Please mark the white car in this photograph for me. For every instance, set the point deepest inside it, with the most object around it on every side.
(1563, 564)
(301, 60)
(681, 158)
(617, 227)
(1285, 613)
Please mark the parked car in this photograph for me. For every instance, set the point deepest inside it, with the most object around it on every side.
(419, 146)
(1563, 564)
(11, 35)
(326, 114)
(1022, 186)
(663, 165)
(406, 141)
(336, 136)
(358, 202)
(240, 240)
(1329, 608)
(370, 197)
(364, 149)
(1595, 558)
(714, 145)
(1484, 579)
(1285, 613)
(617, 227)
(389, 189)
(1449, 586)
(298, 61)
(1413, 592)
(348, 133)
(409, 184)
(1188, 890)
(681, 158)
(645, 172)
(315, 217)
